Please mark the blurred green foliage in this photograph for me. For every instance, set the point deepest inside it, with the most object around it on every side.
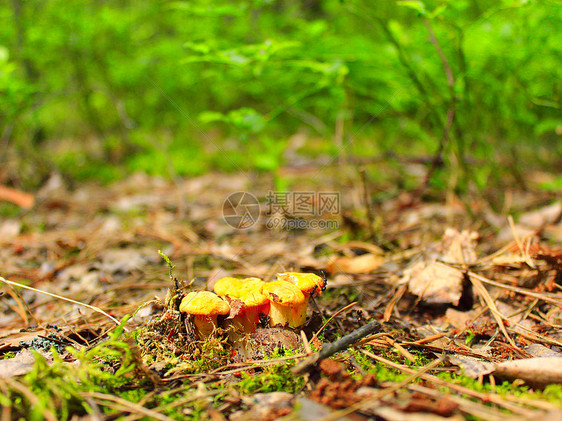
(180, 87)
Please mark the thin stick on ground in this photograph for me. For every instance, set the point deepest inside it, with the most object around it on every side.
(339, 345)
(50, 294)
(341, 310)
(481, 289)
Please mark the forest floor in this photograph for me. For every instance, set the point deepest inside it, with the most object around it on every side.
(467, 294)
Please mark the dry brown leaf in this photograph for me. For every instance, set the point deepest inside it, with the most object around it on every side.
(541, 351)
(537, 372)
(543, 216)
(19, 365)
(434, 282)
(460, 319)
(459, 247)
(264, 405)
(365, 263)
(472, 367)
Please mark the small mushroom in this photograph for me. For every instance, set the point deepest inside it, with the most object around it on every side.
(309, 283)
(205, 307)
(255, 303)
(288, 305)
(252, 301)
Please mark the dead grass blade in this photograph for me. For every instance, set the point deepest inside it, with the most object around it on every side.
(393, 301)
(481, 289)
(128, 406)
(514, 404)
(341, 310)
(544, 297)
(50, 294)
(29, 395)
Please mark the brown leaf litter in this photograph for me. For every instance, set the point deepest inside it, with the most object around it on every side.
(441, 280)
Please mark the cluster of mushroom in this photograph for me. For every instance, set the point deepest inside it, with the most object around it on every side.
(284, 301)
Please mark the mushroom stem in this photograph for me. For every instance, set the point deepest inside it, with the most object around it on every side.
(205, 325)
(293, 316)
(252, 316)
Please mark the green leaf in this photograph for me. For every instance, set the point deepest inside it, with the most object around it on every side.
(418, 6)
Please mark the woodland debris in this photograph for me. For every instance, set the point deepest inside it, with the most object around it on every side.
(22, 363)
(23, 200)
(339, 345)
(472, 367)
(537, 372)
(435, 282)
(265, 406)
(365, 263)
(432, 278)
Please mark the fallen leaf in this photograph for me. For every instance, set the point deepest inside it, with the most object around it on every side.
(543, 216)
(364, 263)
(434, 282)
(459, 247)
(460, 319)
(541, 351)
(536, 372)
(310, 410)
(472, 367)
(265, 406)
(19, 365)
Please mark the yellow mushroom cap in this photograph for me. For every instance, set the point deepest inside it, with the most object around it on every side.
(283, 293)
(307, 282)
(251, 292)
(204, 303)
(225, 286)
(248, 290)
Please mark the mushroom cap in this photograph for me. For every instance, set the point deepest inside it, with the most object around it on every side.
(248, 290)
(225, 286)
(204, 303)
(306, 282)
(283, 293)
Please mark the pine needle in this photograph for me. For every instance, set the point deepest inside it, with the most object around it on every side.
(50, 294)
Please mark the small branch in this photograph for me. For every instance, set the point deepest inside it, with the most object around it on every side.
(444, 61)
(21, 199)
(438, 159)
(339, 345)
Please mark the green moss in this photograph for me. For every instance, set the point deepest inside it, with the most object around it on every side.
(60, 388)
(9, 210)
(552, 393)
(272, 379)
